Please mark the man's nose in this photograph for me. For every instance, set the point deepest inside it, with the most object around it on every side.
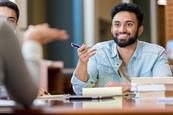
(122, 29)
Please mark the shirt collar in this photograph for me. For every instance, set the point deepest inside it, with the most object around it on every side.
(137, 49)
(115, 52)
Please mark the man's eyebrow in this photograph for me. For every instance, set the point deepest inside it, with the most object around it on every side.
(116, 21)
(130, 21)
(125, 21)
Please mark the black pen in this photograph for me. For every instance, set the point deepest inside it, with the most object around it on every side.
(75, 45)
(77, 97)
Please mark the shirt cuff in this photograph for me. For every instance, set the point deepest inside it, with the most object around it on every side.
(32, 50)
(77, 84)
(76, 80)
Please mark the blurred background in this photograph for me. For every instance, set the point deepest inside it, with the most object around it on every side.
(89, 21)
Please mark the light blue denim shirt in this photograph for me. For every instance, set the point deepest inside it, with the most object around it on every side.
(149, 60)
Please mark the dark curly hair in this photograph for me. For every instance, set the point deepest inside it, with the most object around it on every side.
(130, 7)
(10, 5)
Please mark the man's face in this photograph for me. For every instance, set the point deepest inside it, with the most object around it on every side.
(10, 14)
(125, 28)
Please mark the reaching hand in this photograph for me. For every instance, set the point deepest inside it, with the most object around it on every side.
(43, 34)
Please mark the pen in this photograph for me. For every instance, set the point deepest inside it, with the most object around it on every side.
(75, 45)
(76, 97)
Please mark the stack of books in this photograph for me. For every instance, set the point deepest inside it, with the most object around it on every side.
(152, 86)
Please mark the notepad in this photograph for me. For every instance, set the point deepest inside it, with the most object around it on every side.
(102, 91)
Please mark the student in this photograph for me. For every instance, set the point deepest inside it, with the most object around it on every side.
(115, 62)
(21, 81)
(11, 11)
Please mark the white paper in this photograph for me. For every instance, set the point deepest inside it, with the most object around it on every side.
(7, 103)
(102, 91)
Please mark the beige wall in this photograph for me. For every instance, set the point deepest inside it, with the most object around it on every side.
(22, 23)
(102, 11)
(105, 7)
(37, 11)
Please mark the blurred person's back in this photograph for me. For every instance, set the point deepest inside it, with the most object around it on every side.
(14, 74)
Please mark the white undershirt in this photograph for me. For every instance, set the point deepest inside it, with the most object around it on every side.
(32, 50)
(124, 73)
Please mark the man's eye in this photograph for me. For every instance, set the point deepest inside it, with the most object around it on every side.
(129, 24)
(116, 25)
(11, 21)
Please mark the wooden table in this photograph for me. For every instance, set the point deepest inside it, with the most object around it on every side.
(118, 106)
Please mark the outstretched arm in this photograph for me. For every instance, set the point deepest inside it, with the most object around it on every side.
(36, 36)
(43, 34)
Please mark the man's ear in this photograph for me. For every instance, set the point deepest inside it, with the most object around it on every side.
(140, 30)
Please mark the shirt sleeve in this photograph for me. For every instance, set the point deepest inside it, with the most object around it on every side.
(92, 72)
(77, 84)
(161, 66)
(32, 52)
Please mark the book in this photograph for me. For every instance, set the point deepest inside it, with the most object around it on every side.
(154, 94)
(152, 87)
(151, 80)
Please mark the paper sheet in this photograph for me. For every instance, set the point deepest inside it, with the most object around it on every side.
(5, 103)
(102, 91)
(57, 97)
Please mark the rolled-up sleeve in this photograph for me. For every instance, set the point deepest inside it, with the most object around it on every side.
(77, 84)
(92, 72)
(161, 66)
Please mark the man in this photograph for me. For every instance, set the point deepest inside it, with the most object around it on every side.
(9, 10)
(122, 58)
(21, 81)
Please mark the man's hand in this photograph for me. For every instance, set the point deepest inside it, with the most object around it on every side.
(125, 86)
(85, 52)
(43, 34)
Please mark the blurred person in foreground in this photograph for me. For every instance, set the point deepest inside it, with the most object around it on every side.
(20, 71)
(11, 11)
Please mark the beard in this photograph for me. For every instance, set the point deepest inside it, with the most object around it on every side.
(124, 43)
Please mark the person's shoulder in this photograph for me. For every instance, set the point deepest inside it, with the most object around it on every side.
(151, 47)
